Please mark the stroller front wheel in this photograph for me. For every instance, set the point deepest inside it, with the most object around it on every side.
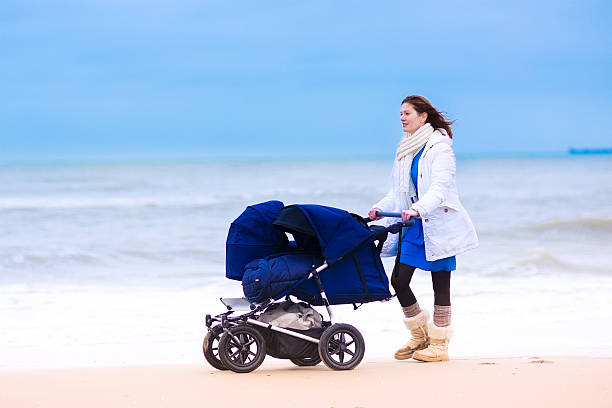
(211, 347)
(341, 347)
(242, 349)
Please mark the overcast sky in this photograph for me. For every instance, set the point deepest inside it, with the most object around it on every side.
(136, 78)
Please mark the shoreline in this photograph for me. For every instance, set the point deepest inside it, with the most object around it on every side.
(529, 381)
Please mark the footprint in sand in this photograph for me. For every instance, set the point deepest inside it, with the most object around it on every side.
(542, 362)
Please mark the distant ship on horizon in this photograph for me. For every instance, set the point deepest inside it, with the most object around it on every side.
(605, 150)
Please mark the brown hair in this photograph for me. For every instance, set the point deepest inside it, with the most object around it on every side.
(434, 116)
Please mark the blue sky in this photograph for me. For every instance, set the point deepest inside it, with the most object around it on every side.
(155, 79)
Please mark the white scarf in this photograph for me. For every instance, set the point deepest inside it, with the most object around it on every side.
(408, 147)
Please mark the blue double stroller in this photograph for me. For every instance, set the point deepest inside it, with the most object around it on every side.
(320, 255)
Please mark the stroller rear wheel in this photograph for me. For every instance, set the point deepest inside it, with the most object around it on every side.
(242, 349)
(211, 347)
(306, 361)
(341, 347)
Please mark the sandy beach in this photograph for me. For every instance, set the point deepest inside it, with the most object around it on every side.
(499, 382)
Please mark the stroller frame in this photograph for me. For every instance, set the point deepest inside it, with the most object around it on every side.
(227, 344)
(227, 322)
(314, 274)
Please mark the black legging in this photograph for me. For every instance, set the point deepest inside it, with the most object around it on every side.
(401, 277)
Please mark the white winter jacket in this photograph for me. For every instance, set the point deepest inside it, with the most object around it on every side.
(447, 227)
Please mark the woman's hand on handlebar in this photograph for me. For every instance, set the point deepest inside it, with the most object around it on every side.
(372, 214)
(407, 214)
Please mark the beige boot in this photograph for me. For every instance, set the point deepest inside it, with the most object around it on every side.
(418, 327)
(438, 344)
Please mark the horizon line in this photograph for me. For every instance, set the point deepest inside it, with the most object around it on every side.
(280, 157)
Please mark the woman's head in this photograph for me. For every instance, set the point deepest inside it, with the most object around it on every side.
(416, 111)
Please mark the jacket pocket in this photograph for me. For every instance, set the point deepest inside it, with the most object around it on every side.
(451, 205)
(443, 226)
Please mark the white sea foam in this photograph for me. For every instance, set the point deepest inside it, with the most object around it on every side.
(118, 264)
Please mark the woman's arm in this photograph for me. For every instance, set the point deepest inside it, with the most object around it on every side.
(442, 173)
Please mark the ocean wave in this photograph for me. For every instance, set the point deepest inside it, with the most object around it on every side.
(596, 227)
(540, 262)
(27, 259)
(583, 224)
(48, 261)
(8, 204)
(174, 201)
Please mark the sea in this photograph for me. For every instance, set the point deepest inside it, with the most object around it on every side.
(115, 264)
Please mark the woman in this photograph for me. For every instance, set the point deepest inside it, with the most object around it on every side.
(423, 185)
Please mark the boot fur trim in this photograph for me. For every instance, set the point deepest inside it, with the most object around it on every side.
(440, 333)
(417, 321)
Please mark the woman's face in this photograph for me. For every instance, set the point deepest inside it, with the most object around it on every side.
(411, 119)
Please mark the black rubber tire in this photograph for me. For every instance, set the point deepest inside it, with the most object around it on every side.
(307, 361)
(236, 350)
(337, 342)
(210, 347)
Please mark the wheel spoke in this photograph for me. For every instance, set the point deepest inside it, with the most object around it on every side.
(349, 352)
(231, 357)
(250, 342)
(349, 343)
(341, 355)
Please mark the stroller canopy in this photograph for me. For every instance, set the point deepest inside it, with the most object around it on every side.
(252, 236)
(269, 266)
(336, 231)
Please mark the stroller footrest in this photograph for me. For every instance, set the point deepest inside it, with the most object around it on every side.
(237, 303)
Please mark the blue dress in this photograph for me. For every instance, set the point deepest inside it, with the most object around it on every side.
(412, 245)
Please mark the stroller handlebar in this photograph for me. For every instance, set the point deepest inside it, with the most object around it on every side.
(393, 228)
(391, 215)
(388, 214)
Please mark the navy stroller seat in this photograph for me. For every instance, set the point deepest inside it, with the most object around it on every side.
(259, 254)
